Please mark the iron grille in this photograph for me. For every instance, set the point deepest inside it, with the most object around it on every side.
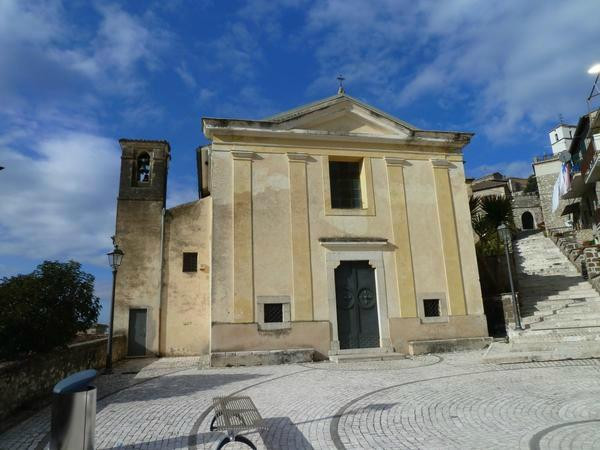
(190, 262)
(273, 312)
(344, 177)
(431, 307)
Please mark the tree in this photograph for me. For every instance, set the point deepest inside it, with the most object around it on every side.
(488, 214)
(497, 210)
(46, 308)
(531, 186)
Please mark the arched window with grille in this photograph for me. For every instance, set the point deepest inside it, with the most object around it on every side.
(143, 168)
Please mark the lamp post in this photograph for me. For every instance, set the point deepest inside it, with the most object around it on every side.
(504, 233)
(114, 260)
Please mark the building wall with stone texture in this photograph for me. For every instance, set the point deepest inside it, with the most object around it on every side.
(546, 173)
(28, 382)
(523, 203)
(138, 233)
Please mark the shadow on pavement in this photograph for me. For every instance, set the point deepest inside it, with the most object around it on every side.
(170, 386)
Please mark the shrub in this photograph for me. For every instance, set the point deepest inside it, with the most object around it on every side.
(46, 308)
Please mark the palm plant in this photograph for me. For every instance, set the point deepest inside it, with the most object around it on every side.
(498, 210)
(487, 213)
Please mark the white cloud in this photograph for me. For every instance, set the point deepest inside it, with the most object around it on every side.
(520, 169)
(58, 199)
(186, 76)
(38, 39)
(521, 63)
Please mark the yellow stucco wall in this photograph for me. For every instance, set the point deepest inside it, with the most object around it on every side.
(428, 229)
(185, 303)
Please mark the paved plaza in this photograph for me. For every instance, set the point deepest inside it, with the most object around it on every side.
(431, 401)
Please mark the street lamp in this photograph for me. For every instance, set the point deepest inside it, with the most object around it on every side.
(114, 261)
(504, 233)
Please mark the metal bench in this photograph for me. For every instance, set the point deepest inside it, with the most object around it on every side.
(233, 415)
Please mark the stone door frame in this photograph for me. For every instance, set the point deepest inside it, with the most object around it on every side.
(358, 251)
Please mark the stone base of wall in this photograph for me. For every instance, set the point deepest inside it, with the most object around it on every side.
(405, 330)
(261, 358)
(24, 382)
(448, 345)
(245, 337)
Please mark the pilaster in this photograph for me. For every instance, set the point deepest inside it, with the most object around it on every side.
(445, 207)
(403, 255)
(302, 304)
(243, 284)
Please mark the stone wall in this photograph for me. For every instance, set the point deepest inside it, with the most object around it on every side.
(546, 173)
(24, 382)
(522, 203)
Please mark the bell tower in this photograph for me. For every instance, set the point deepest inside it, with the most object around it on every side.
(139, 233)
(144, 167)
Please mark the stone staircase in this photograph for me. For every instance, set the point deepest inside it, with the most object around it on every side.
(560, 310)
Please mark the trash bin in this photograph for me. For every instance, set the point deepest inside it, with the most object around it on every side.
(74, 412)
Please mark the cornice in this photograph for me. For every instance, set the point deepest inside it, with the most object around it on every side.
(441, 164)
(243, 155)
(298, 157)
(392, 161)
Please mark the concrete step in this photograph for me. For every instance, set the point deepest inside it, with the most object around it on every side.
(364, 354)
(561, 315)
(540, 304)
(560, 310)
(547, 305)
(560, 322)
(591, 294)
(565, 284)
(571, 334)
(580, 308)
(501, 353)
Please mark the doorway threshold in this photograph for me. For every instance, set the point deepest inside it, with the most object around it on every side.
(364, 354)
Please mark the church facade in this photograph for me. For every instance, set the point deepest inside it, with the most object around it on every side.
(333, 226)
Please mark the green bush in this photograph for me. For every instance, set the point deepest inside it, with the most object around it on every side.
(46, 308)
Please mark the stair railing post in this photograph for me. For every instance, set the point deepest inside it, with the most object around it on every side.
(506, 237)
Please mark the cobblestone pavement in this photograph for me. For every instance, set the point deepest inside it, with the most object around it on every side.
(431, 401)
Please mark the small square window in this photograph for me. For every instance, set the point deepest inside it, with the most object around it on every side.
(190, 262)
(431, 307)
(345, 183)
(273, 312)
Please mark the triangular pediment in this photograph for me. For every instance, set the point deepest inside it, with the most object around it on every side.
(342, 115)
(341, 118)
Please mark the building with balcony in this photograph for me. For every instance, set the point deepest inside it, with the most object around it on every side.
(583, 168)
(546, 168)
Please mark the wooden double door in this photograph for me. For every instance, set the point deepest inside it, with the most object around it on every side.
(356, 302)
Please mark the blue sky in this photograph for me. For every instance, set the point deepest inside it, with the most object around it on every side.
(76, 76)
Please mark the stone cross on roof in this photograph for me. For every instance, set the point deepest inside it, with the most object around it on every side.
(341, 79)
